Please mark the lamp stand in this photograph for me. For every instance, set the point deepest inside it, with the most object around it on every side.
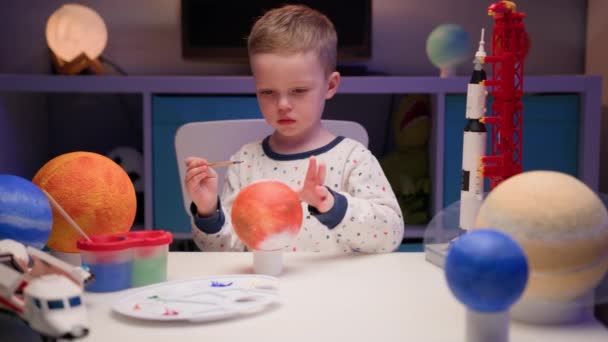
(76, 65)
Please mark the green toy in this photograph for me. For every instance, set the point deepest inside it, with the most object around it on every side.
(407, 167)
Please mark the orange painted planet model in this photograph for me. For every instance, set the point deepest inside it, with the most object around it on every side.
(95, 191)
(267, 215)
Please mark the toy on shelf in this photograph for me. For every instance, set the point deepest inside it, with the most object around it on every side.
(47, 296)
(94, 191)
(447, 46)
(407, 166)
(125, 260)
(267, 216)
(487, 271)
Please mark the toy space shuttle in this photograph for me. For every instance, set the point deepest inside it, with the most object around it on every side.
(474, 142)
(48, 296)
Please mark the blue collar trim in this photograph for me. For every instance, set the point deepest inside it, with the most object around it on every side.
(303, 155)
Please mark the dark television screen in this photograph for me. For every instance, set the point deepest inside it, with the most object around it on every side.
(217, 29)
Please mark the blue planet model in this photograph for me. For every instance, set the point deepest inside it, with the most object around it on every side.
(25, 212)
(486, 270)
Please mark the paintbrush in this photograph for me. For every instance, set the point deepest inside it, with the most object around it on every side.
(224, 163)
(66, 216)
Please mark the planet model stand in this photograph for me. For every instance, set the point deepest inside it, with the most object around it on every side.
(268, 262)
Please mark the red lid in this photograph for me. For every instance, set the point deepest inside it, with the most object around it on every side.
(149, 238)
(108, 242)
(121, 241)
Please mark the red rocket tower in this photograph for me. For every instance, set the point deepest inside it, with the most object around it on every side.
(508, 50)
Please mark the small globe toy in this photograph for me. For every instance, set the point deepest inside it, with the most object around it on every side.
(486, 270)
(447, 46)
(25, 212)
(93, 190)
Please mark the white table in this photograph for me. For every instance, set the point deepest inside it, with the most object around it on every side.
(387, 297)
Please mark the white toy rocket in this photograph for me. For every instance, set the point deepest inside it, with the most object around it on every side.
(474, 142)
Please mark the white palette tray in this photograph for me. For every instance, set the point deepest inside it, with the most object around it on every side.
(200, 299)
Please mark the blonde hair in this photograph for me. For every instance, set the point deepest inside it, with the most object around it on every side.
(295, 29)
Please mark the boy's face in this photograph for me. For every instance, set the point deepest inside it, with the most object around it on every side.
(291, 91)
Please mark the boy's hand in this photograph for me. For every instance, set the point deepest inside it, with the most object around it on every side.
(201, 183)
(313, 191)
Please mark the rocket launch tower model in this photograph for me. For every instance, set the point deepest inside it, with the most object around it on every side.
(509, 46)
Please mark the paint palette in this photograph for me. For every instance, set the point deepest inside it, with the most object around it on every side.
(201, 299)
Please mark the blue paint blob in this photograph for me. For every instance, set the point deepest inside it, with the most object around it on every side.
(220, 284)
(110, 277)
(486, 270)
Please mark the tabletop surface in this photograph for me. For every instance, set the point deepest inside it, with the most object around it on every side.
(354, 297)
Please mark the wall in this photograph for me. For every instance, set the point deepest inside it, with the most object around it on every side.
(23, 137)
(144, 35)
(144, 39)
(596, 57)
(596, 62)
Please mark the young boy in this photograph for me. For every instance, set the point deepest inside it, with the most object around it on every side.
(347, 201)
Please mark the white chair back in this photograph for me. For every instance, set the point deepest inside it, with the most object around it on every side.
(218, 140)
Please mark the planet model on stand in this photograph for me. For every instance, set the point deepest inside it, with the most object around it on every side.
(267, 216)
(25, 212)
(562, 226)
(93, 190)
(447, 46)
(487, 271)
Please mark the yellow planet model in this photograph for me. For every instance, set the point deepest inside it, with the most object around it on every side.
(562, 226)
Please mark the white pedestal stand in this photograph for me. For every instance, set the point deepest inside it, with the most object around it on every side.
(487, 327)
(268, 262)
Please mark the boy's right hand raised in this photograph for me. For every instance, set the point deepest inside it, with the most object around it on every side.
(201, 183)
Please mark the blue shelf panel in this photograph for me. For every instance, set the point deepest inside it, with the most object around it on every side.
(168, 114)
(551, 125)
